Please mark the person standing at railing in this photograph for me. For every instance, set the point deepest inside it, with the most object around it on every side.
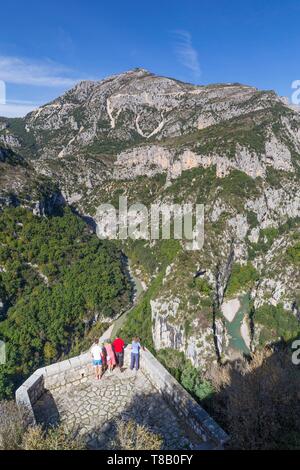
(96, 352)
(135, 353)
(118, 345)
(110, 357)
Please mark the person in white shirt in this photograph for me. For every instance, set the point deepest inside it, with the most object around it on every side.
(96, 352)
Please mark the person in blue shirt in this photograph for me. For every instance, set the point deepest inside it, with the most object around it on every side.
(135, 353)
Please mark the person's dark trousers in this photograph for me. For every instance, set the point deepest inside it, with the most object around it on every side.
(120, 358)
(135, 361)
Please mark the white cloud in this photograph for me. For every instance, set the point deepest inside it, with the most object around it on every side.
(26, 72)
(17, 108)
(186, 53)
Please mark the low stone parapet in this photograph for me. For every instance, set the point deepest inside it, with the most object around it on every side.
(47, 378)
(181, 400)
(28, 394)
(56, 375)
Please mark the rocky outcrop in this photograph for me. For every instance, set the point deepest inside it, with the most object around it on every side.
(2, 308)
(48, 204)
(155, 159)
(169, 332)
(165, 332)
(276, 206)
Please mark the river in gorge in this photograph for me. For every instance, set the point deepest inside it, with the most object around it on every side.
(236, 340)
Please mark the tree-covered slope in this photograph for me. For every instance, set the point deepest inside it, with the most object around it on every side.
(57, 283)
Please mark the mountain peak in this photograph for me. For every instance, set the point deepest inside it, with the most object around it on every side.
(107, 117)
(136, 72)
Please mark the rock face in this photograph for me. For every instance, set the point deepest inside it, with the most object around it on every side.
(229, 146)
(137, 123)
(20, 184)
(1, 307)
(198, 345)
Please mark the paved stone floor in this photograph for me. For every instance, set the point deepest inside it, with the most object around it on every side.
(92, 406)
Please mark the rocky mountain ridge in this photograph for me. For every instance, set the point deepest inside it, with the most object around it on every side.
(136, 124)
(230, 146)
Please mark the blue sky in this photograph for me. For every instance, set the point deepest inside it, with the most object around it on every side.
(46, 46)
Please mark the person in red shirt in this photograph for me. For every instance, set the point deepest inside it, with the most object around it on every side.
(118, 345)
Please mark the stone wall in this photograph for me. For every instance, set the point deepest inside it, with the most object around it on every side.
(181, 400)
(56, 375)
(29, 393)
(76, 369)
(47, 378)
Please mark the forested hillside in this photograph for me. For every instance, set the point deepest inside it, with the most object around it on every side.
(58, 283)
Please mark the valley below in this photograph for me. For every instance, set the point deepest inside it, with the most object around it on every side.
(221, 319)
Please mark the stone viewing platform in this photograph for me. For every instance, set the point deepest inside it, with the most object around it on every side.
(67, 392)
(92, 407)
